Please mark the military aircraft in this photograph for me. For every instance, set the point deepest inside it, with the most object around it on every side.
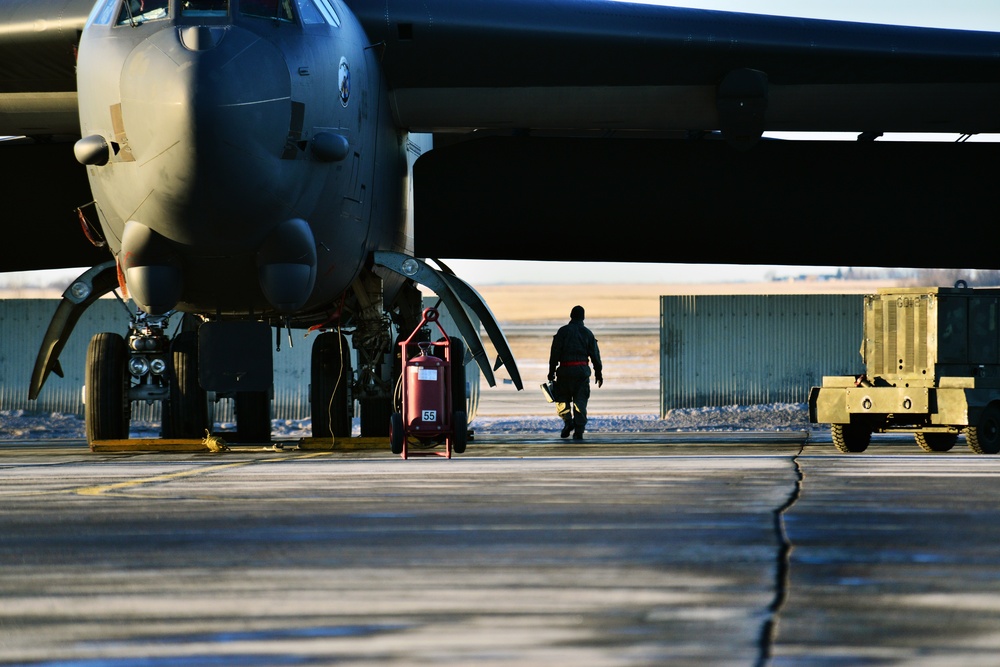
(247, 167)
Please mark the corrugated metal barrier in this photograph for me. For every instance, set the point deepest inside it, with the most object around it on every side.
(718, 350)
(23, 323)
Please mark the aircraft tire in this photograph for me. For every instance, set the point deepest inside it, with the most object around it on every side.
(330, 378)
(984, 437)
(107, 411)
(253, 416)
(850, 438)
(936, 442)
(188, 405)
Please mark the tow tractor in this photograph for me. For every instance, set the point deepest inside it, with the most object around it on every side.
(932, 368)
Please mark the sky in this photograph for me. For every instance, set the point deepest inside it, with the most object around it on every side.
(962, 14)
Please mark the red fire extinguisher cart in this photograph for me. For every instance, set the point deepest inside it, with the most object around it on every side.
(427, 390)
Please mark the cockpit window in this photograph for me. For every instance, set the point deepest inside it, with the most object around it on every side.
(136, 12)
(279, 10)
(308, 12)
(328, 11)
(200, 8)
(103, 15)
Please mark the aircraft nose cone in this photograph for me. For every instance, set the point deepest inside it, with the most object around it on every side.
(207, 113)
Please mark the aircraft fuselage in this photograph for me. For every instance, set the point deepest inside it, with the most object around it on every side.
(244, 153)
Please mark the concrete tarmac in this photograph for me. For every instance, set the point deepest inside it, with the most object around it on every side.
(625, 550)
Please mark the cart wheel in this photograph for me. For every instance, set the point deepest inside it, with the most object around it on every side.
(396, 435)
(461, 437)
(984, 437)
(850, 438)
(936, 442)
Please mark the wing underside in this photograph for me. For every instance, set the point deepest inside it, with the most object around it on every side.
(43, 185)
(901, 204)
(594, 64)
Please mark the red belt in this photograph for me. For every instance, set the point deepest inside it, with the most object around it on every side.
(572, 363)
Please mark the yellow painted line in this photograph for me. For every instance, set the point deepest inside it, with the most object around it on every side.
(195, 445)
(107, 488)
(311, 455)
(118, 486)
(102, 489)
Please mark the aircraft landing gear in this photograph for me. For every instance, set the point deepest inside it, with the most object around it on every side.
(185, 414)
(375, 375)
(106, 397)
(330, 389)
(120, 372)
(150, 367)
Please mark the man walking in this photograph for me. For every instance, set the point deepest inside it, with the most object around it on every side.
(572, 347)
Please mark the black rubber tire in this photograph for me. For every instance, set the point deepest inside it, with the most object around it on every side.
(936, 442)
(850, 438)
(253, 417)
(984, 437)
(187, 409)
(108, 410)
(396, 434)
(461, 437)
(330, 379)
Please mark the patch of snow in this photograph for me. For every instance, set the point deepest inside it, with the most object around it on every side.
(772, 417)
(21, 425)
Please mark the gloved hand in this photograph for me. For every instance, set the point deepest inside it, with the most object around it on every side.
(600, 378)
(552, 377)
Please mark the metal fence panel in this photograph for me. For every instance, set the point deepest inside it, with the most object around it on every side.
(23, 323)
(718, 350)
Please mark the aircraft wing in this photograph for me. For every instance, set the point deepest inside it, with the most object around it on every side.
(596, 64)
(38, 66)
(43, 184)
(566, 86)
(586, 130)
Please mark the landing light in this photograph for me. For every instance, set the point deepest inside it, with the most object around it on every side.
(143, 344)
(138, 366)
(157, 366)
(409, 267)
(80, 290)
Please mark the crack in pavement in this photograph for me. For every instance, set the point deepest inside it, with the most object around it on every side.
(769, 629)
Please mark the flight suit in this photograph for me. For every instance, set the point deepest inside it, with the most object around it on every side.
(572, 347)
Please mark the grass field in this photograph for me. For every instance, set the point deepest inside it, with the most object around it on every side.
(625, 319)
(552, 303)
